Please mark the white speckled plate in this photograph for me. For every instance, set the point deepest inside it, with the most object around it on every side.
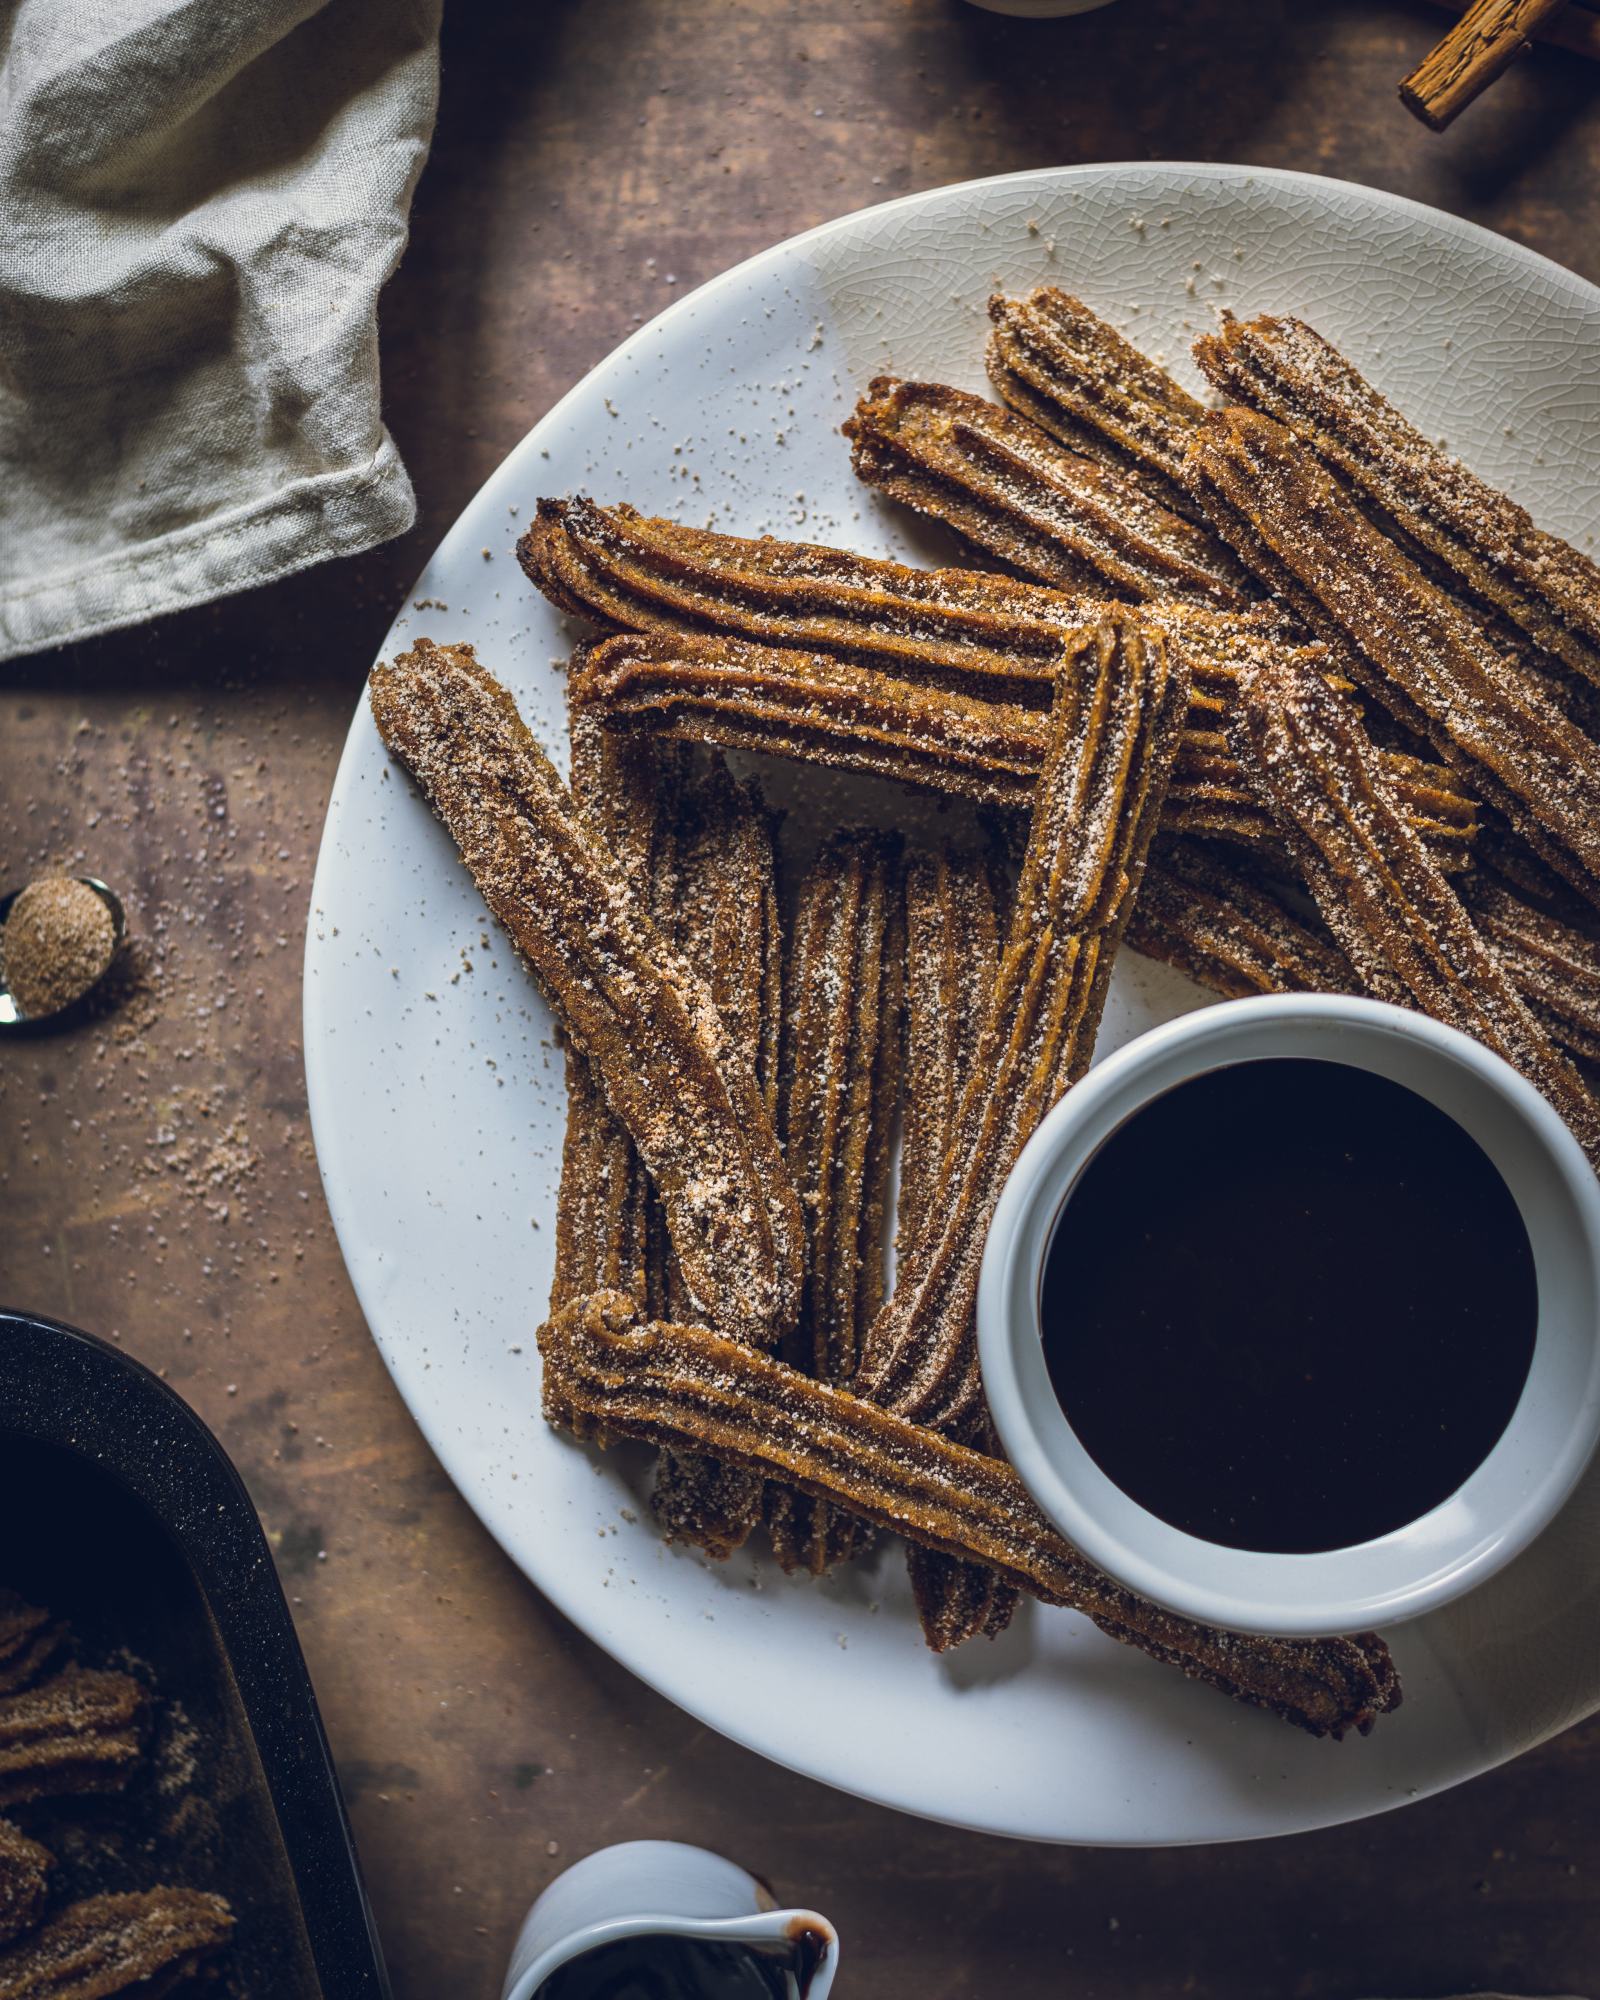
(436, 1092)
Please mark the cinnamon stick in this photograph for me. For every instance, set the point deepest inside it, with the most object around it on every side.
(1477, 49)
(1576, 27)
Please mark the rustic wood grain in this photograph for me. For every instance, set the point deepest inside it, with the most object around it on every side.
(156, 1178)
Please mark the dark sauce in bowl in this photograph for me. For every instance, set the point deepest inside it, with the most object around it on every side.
(665, 1967)
(1289, 1306)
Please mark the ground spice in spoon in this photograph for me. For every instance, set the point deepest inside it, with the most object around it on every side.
(57, 941)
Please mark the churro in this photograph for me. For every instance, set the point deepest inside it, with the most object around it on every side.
(79, 1731)
(822, 710)
(24, 1880)
(1394, 914)
(30, 1637)
(1046, 512)
(691, 1385)
(952, 932)
(967, 629)
(1060, 365)
(1209, 915)
(149, 1942)
(1553, 965)
(626, 785)
(1482, 537)
(953, 901)
(1114, 731)
(843, 1023)
(726, 923)
(1425, 655)
(645, 1020)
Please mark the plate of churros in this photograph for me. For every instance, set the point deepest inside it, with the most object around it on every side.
(922, 660)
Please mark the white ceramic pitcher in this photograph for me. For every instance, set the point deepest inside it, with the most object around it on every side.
(658, 1888)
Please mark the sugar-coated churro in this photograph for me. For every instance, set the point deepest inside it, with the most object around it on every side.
(690, 1385)
(953, 899)
(646, 1021)
(1541, 583)
(726, 923)
(1059, 364)
(146, 1942)
(1114, 732)
(843, 1026)
(30, 1638)
(1046, 512)
(1207, 912)
(968, 629)
(1554, 966)
(24, 1880)
(1396, 916)
(79, 1731)
(834, 712)
(1425, 655)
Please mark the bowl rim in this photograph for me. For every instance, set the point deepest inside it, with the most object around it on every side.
(1516, 1490)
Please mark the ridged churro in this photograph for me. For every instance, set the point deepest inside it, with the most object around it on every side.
(725, 922)
(1045, 511)
(843, 1026)
(1207, 913)
(1395, 915)
(1060, 365)
(968, 629)
(645, 1020)
(1285, 369)
(953, 927)
(1552, 964)
(146, 1942)
(24, 1880)
(628, 785)
(823, 710)
(1114, 731)
(1425, 655)
(79, 1731)
(30, 1637)
(692, 1386)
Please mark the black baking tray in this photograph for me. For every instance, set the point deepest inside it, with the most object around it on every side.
(120, 1511)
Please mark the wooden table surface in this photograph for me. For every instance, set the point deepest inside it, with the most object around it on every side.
(593, 159)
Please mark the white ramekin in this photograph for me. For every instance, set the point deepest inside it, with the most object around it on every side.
(1514, 1493)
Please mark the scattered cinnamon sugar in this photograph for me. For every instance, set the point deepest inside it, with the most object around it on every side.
(57, 942)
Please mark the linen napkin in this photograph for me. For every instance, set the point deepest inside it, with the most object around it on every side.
(199, 202)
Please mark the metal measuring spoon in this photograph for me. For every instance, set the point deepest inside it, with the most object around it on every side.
(12, 1019)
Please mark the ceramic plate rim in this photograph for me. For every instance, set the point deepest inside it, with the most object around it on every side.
(363, 1276)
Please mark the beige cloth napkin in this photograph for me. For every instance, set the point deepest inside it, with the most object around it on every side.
(199, 201)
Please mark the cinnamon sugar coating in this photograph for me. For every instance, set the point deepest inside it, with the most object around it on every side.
(646, 1021)
(692, 1385)
(1285, 369)
(843, 1027)
(821, 710)
(1049, 513)
(147, 1942)
(1060, 365)
(1423, 654)
(1396, 916)
(24, 1880)
(725, 922)
(1207, 912)
(80, 1731)
(954, 899)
